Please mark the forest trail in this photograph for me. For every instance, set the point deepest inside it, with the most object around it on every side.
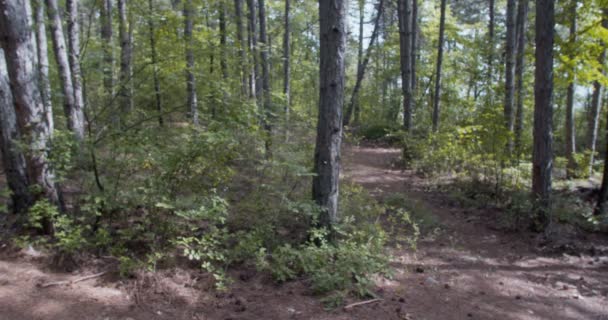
(464, 269)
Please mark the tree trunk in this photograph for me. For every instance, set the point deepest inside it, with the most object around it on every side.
(157, 95)
(190, 79)
(19, 45)
(240, 31)
(108, 48)
(43, 62)
(223, 49)
(509, 108)
(287, 65)
(522, 17)
(414, 49)
(267, 103)
(253, 51)
(362, 66)
(125, 99)
(74, 60)
(543, 111)
(405, 41)
(13, 160)
(325, 184)
(570, 126)
(73, 112)
(491, 52)
(436, 101)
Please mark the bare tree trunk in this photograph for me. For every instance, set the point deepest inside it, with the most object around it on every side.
(108, 54)
(414, 49)
(405, 41)
(522, 17)
(253, 51)
(13, 159)
(240, 31)
(43, 62)
(223, 49)
(287, 65)
(362, 66)
(73, 111)
(509, 108)
(570, 126)
(490, 93)
(124, 91)
(325, 185)
(74, 57)
(543, 111)
(157, 95)
(436, 102)
(19, 45)
(267, 103)
(190, 79)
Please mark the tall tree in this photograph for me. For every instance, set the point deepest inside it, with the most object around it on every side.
(154, 58)
(602, 202)
(74, 54)
(125, 90)
(43, 61)
(436, 105)
(325, 185)
(223, 41)
(405, 45)
(522, 17)
(13, 160)
(240, 31)
(491, 4)
(266, 102)
(509, 108)
(108, 48)
(19, 46)
(287, 62)
(414, 43)
(253, 50)
(570, 126)
(192, 101)
(73, 109)
(542, 163)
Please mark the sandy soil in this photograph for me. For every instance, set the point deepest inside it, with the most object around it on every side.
(467, 270)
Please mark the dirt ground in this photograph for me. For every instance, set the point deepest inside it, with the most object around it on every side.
(469, 269)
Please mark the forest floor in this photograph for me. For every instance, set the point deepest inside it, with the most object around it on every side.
(467, 268)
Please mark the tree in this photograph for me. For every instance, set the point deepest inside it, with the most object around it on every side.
(154, 58)
(125, 91)
(509, 108)
(266, 102)
(192, 100)
(522, 17)
(19, 46)
(73, 109)
(596, 104)
(325, 184)
(570, 129)
(240, 31)
(414, 43)
(602, 202)
(43, 61)
(287, 63)
(74, 56)
(490, 48)
(108, 48)
(436, 108)
(405, 41)
(542, 163)
(253, 51)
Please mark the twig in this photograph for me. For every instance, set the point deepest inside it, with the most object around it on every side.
(58, 283)
(350, 306)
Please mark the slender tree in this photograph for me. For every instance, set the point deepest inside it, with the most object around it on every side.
(436, 102)
(414, 44)
(74, 54)
(154, 58)
(405, 41)
(264, 61)
(542, 163)
(192, 101)
(570, 126)
(509, 106)
(125, 94)
(325, 185)
(43, 61)
(287, 63)
(108, 48)
(253, 50)
(73, 109)
(240, 31)
(522, 17)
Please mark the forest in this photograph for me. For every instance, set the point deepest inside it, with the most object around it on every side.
(300, 159)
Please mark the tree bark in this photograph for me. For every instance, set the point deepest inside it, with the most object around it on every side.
(509, 108)
(157, 94)
(543, 111)
(73, 109)
(125, 90)
(436, 102)
(13, 159)
(570, 126)
(405, 41)
(490, 75)
(267, 103)
(43, 62)
(253, 51)
(522, 17)
(240, 31)
(108, 48)
(362, 66)
(414, 49)
(19, 45)
(287, 65)
(74, 59)
(332, 16)
(190, 78)
(223, 37)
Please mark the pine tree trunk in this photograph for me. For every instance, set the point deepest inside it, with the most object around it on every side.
(19, 45)
(405, 41)
(190, 79)
(333, 29)
(522, 17)
(13, 160)
(240, 31)
(125, 99)
(43, 62)
(157, 95)
(436, 102)
(543, 111)
(509, 108)
(570, 126)
(287, 65)
(73, 112)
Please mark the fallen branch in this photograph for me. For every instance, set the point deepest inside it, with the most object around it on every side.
(352, 305)
(58, 283)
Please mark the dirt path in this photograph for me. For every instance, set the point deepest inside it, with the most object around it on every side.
(467, 270)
